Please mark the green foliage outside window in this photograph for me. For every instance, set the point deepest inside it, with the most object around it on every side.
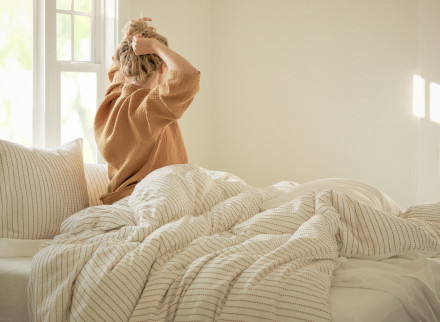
(16, 71)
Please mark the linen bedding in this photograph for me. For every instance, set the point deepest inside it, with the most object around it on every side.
(390, 290)
(16, 254)
(191, 244)
(15, 264)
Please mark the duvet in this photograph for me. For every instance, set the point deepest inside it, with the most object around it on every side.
(194, 245)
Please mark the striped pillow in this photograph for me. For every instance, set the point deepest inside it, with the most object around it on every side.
(97, 182)
(39, 188)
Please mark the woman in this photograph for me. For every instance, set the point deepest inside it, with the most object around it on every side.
(136, 126)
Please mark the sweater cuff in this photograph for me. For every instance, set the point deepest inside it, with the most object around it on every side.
(178, 77)
(112, 197)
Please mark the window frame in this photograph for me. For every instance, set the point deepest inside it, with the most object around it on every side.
(47, 70)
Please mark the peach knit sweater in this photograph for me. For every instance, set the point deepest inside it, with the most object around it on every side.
(136, 129)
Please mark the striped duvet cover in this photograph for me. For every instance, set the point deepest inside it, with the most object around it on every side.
(193, 245)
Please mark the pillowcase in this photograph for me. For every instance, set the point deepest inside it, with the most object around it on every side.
(39, 188)
(356, 190)
(97, 182)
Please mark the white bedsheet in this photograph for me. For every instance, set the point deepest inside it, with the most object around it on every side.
(15, 265)
(14, 277)
(355, 285)
(396, 289)
(19, 247)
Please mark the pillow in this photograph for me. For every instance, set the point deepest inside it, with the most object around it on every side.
(97, 182)
(356, 190)
(39, 188)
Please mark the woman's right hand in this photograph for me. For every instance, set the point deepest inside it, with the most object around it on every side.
(143, 46)
(174, 61)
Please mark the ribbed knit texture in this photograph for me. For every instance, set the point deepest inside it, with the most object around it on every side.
(97, 182)
(136, 129)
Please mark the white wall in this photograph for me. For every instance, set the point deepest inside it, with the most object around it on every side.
(429, 46)
(319, 89)
(300, 90)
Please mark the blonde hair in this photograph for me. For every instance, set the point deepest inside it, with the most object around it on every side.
(130, 64)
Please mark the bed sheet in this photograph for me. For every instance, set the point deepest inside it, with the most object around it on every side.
(374, 291)
(14, 276)
(15, 265)
(396, 289)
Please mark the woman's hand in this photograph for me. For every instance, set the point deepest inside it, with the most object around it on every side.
(174, 61)
(143, 46)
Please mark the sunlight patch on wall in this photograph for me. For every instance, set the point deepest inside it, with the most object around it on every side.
(418, 96)
(434, 102)
(420, 89)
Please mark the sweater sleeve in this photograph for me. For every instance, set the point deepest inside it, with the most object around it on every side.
(115, 77)
(168, 101)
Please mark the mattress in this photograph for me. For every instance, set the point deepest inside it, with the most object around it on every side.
(396, 289)
(15, 265)
(14, 275)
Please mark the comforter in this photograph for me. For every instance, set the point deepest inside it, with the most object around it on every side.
(193, 245)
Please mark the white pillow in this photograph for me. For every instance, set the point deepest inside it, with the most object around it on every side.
(356, 190)
(39, 188)
(97, 182)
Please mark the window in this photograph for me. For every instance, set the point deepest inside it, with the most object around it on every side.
(55, 74)
(16, 71)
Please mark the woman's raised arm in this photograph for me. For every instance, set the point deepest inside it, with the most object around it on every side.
(173, 60)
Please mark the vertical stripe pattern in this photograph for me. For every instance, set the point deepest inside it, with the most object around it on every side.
(97, 182)
(39, 189)
(193, 245)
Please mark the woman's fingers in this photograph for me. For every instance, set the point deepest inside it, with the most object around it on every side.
(136, 44)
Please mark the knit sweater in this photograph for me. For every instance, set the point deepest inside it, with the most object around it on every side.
(136, 129)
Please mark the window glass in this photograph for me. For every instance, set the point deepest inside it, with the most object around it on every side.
(64, 31)
(78, 106)
(64, 4)
(76, 100)
(82, 38)
(16, 68)
(82, 5)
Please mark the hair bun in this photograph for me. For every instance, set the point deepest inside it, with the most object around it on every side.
(134, 27)
(130, 64)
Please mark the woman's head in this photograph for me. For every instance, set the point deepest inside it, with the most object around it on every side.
(133, 66)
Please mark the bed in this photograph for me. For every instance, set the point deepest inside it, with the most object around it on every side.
(353, 297)
(193, 244)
